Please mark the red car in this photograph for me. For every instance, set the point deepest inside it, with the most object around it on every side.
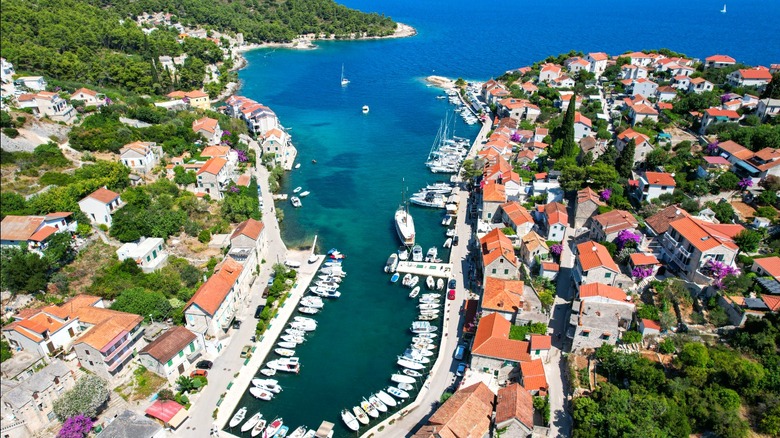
(202, 373)
(451, 294)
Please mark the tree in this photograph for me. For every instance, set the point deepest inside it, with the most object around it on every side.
(75, 427)
(165, 394)
(632, 337)
(569, 147)
(625, 161)
(5, 351)
(694, 355)
(724, 212)
(727, 181)
(143, 302)
(748, 240)
(88, 395)
(185, 384)
(23, 271)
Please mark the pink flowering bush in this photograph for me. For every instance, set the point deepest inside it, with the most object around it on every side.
(744, 183)
(605, 194)
(75, 427)
(626, 237)
(712, 148)
(719, 271)
(556, 249)
(641, 272)
(242, 156)
(516, 137)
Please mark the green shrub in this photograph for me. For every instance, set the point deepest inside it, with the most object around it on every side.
(204, 236)
(11, 132)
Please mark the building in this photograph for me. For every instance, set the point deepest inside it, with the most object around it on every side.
(128, 424)
(607, 226)
(666, 93)
(89, 97)
(34, 83)
(27, 406)
(194, 98)
(533, 247)
(712, 166)
(640, 112)
(46, 331)
(100, 205)
(648, 327)
(593, 264)
(47, 104)
(549, 72)
(171, 353)
(148, 253)
(716, 115)
(532, 376)
(492, 351)
(515, 216)
(588, 203)
(575, 64)
(140, 156)
(719, 61)
(689, 243)
(767, 267)
(658, 223)
(599, 316)
(555, 219)
(248, 244)
(504, 297)
(259, 118)
(213, 177)
(467, 413)
(582, 126)
(209, 129)
(498, 255)
(644, 87)
(212, 308)
(654, 184)
(763, 163)
(733, 151)
(758, 77)
(700, 85)
(493, 196)
(514, 411)
(767, 108)
(6, 71)
(109, 341)
(598, 62)
(34, 232)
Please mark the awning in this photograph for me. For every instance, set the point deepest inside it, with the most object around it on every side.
(179, 418)
(165, 411)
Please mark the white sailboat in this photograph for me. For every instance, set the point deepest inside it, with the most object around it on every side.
(724, 8)
(344, 81)
(404, 224)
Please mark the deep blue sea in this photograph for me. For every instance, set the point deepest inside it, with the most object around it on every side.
(363, 161)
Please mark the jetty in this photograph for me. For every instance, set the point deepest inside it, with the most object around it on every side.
(443, 270)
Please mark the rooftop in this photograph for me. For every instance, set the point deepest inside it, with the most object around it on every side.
(502, 295)
(593, 255)
(169, 344)
(212, 293)
(492, 340)
(514, 401)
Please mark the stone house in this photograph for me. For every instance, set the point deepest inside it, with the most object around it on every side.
(171, 353)
(588, 203)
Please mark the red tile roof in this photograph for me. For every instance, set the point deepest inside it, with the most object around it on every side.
(650, 324)
(660, 178)
(494, 193)
(496, 244)
(104, 195)
(598, 56)
(164, 410)
(213, 292)
(639, 259)
(587, 194)
(206, 123)
(735, 149)
(579, 118)
(215, 151)
(556, 213)
(771, 301)
(705, 235)
(492, 340)
(615, 220)
(169, 344)
(213, 166)
(769, 264)
(551, 266)
(502, 295)
(594, 255)
(721, 59)
(250, 228)
(514, 401)
(541, 342)
(717, 112)
(757, 73)
(533, 375)
(602, 290)
(467, 413)
(517, 213)
(19, 227)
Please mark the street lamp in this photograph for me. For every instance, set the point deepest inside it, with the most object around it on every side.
(150, 317)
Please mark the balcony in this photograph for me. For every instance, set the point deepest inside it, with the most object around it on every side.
(670, 241)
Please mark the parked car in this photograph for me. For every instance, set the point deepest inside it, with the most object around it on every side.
(452, 284)
(459, 352)
(201, 373)
(259, 310)
(237, 324)
(455, 240)
(451, 294)
(245, 351)
(461, 369)
(204, 365)
(271, 279)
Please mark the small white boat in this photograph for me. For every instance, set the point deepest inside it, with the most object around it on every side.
(414, 356)
(409, 364)
(392, 263)
(446, 221)
(427, 306)
(272, 428)
(284, 344)
(274, 389)
(261, 393)
(360, 414)
(440, 284)
(350, 420)
(427, 317)
(414, 292)
(377, 403)
(425, 353)
(251, 422)
(258, 429)
(412, 373)
(268, 372)
(419, 340)
(306, 320)
(325, 293)
(330, 285)
(296, 202)
(286, 352)
(369, 408)
(451, 232)
(286, 364)
(238, 417)
(423, 327)
(303, 195)
(414, 281)
(315, 302)
(299, 432)
(293, 338)
(295, 332)
(264, 382)
(298, 165)
(403, 253)
(365, 109)
(405, 386)
(397, 392)
(432, 254)
(401, 378)
(386, 399)
(429, 282)
(417, 254)
(448, 242)
(430, 300)
(429, 335)
(297, 189)
(331, 278)
(308, 310)
(424, 346)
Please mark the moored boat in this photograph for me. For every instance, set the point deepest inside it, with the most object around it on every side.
(251, 422)
(238, 417)
(409, 364)
(268, 372)
(350, 420)
(440, 284)
(376, 403)
(427, 317)
(285, 344)
(386, 399)
(258, 427)
(264, 382)
(273, 428)
(295, 332)
(407, 279)
(286, 352)
(401, 378)
(306, 320)
(297, 189)
(404, 225)
(360, 414)
(405, 386)
(295, 201)
(395, 277)
(308, 310)
(429, 283)
(304, 326)
(448, 242)
(397, 392)
(431, 255)
(413, 282)
(290, 365)
(282, 432)
(305, 194)
(299, 432)
(423, 327)
(417, 254)
(414, 292)
(403, 253)
(369, 408)
(261, 393)
(293, 338)
(412, 373)
(392, 263)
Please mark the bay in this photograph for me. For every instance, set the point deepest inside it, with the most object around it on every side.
(364, 160)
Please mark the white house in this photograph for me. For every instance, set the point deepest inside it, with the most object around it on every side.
(700, 85)
(209, 129)
(642, 142)
(100, 205)
(644, 87)
(768, 108)
(654, 184)
(575, 64)
(549, 72)
(140, 156)
(630, 71)
(750, 77)
(717, 115)
(640, 112)
(171, 353)
(48, 104)
(89, 97)
(665, 93)
(6, 71)
(33, 232)
(35, 83)
(719, 61)
(555, 220)
(148, 253)
(598, 62)
(213, 177)
(582, 126)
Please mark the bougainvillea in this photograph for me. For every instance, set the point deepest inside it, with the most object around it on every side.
(605, 194)
(234, 189)
(75, 427)
(516, 137)
(641, 272)
(719, 271)
(225, 133)
(556, 249)
(626, 237)
(744, 183)
(242, 156)
(712, 148)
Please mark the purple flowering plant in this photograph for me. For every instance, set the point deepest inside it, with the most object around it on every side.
(626, 237)
(75, 427)
(605, 194)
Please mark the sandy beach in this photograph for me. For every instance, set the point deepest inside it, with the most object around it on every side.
(441, 82)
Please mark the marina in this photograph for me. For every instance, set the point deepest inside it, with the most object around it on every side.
(442, 270)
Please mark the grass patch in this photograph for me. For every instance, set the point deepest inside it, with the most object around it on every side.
(143, 384)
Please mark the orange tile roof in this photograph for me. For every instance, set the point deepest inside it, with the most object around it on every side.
(494, 193)
(466, 413)
(615, 220)
(771, 301)
(598, 56)
(541, 342)
(215, 151)
(533, 375)
(587, 194)
(556, 213)
(602, 290)
(517, 213)
(170, 343)
(502, 295)
(639, 259)
(250, 228)
(514, 401)
(641, 108)
(594, 255)
(735, 149)
(213, 292)
(206, 123)
(141, 147)
(70, 309)
(244, 180)
(650, 324)
(492, 340)
(85, 91)
(765, 159)
(533, 240)
(104, 195)
(213, 165)
(19, 227)
(551, 266)
(630, 134)
(659, 222)
(108, 325)
(720, 58)
(755, 73)
(770, 265)
(579, 118)
(717, 112)
(43, 234)
(705, 235)
(496, 244)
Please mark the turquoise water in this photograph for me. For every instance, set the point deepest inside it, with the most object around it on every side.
(362, 159)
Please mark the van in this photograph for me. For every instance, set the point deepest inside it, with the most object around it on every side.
(459, 352)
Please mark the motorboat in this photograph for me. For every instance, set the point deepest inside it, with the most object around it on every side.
(324, 293)
(297, 165)
(297, 189)
(284, 344)
(429, 282)
(427, 317)
(238, 417)
(286, 352)
(365, 109)
(386, 399)
(407, 279)
(333, 262)
(427, 306)
(305, 320)
(423, 327)
(308, 310)
(412, 373)
(392, 263)
(295, 332)
(405, 386)
(258, 427)
(360, 414)
(402, 378)
(397, 392)
(409, 364)
(429, 335)
(439, 187)
(261, 393)
(272, 428)
(448, 242)
(251, 422)
(286, 364)
(395, 277)
(304, 326)
(403, 253)
(414, 281)
(282, 432)
(334, 254)
(293, 338)
(404, 225)
(440, 284)
(423, 346)
(451, 232)
(414, 292)
(378, 404)
(430, 300)
(304, 194)
(417, 254)
(369, 408)
(419, 340)
(446, 221)
(424, 353)
(295, 201)
(315, 302)
(264, 382)
(327, 277)
(299, 432)
(414, 356)
(350, 420)
(428, 199)
(268, 372)
(330, 285)
(333, 270)
(270, 387)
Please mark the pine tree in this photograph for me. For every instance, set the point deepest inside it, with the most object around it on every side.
(625, 162)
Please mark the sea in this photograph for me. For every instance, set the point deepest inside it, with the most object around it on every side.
(365, 161)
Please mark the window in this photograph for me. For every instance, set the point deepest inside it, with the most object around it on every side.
(91, 363)
(605, 336)
(608, 275)
(148, 258)
(170, 362)
(719, 257)
(494, 271)
(86, 352)
(585, 333)
(192, 347)
(181, 353)
(506, 271)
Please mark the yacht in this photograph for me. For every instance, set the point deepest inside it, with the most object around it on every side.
(292, 338)
(296, 201)
(350, 420)
(386, 399)
(404, 225)
(344, 80)
(403, 253)
(290, 365)
(409, 364)
(417, 254)
(429, 282)
(284, 344)
(397, 392)
(261, 393)
(365, 109)
(439, 187)
(428, 199)
(392, 263)
(431, 256)
(412, 373)
(238, 417)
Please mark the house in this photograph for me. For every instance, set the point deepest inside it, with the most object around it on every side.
(498, 255)
(48, 104)
(665, 93)
(648, 327)
(259, 118)
(607, 226)
(195, 98)
(712, 166)
(212, 308)
(213, 177)
(6, 71)
(467, 413)
(599, 316)
(763, 163)
(128, 424)
(540, 346)
(716, 115)
(276, 142)
(641, 112)
(654, 184)
(733, 152)
(248, 243)
(630, 71)
(767, 267)
(540, 134)
(564, 100)
(700, 85)
(209, 129)
(518, 109)
(588, 203)
(46, 331)
(593, 264)
(582, 126)
(593, 145)
(757, 77)
(555, 219)
(719, 61)
(644, 87)
(34, 83)
(89, 97)
(34, 232)
(562, 81)
(504, 297)
(681, 82)
(690, 243)
(27, 406)
(532, 376)
(533, 247)
(575, 64)
(529, 88)
(493, 195)
(148, 253)
(549, 72)
(598, 62)
(140, 156)
(767, 108)
(640, 58)
(171, 353)
(100, 205)
(109, 340)
(644, 261)
(170, 413)
(549, 270)
(493, 352)
(515, 216)
(658, 223)
(514, 411)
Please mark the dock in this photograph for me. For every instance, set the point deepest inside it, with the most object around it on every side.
(443, 270)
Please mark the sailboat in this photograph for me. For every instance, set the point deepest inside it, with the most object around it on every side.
(724, 8)
(404, 224)
(344, 81)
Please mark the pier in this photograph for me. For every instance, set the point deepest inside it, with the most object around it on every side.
(443, 270)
